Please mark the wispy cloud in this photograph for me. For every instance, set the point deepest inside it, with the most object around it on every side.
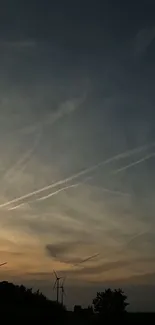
(66, 108)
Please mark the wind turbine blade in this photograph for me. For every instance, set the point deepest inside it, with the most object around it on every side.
(55, 274)
(3, 264)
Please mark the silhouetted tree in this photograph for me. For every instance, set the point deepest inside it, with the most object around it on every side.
(110, 302)
(18, 303)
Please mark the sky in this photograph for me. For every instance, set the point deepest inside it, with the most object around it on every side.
(77, 147)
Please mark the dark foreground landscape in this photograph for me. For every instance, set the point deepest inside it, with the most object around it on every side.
(20, 304)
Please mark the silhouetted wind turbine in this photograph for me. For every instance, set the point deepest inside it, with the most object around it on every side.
(62, 291)
(56, 284)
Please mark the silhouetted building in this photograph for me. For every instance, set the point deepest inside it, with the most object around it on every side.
(77, 309)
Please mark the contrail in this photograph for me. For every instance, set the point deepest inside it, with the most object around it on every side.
(76, 185)
(25, 157)
(63, 189)
(17, 206)
(56, 192)
(137, 236)
(111, 191)
(3, 263)
(44, 197)
(50, 195)
(74, 176)
(115, 192)
(134, 163)
(87, 259)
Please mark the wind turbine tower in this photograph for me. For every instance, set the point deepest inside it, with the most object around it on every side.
(62, 291)
(56, 284)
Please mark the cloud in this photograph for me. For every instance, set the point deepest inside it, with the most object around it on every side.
(68, 252)
(94, 270)
(99, 269)
(61, 249)
(140, 279)
(114, 273)
(110, 268)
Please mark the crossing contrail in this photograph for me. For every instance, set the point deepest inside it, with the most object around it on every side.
(49, 195)
(56, 192)
(63, 189)
(17, 206)
(76, 185)
(74, 176)
(134, 163)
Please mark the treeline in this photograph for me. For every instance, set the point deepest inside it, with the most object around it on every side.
(24, 305)
(19, 304)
